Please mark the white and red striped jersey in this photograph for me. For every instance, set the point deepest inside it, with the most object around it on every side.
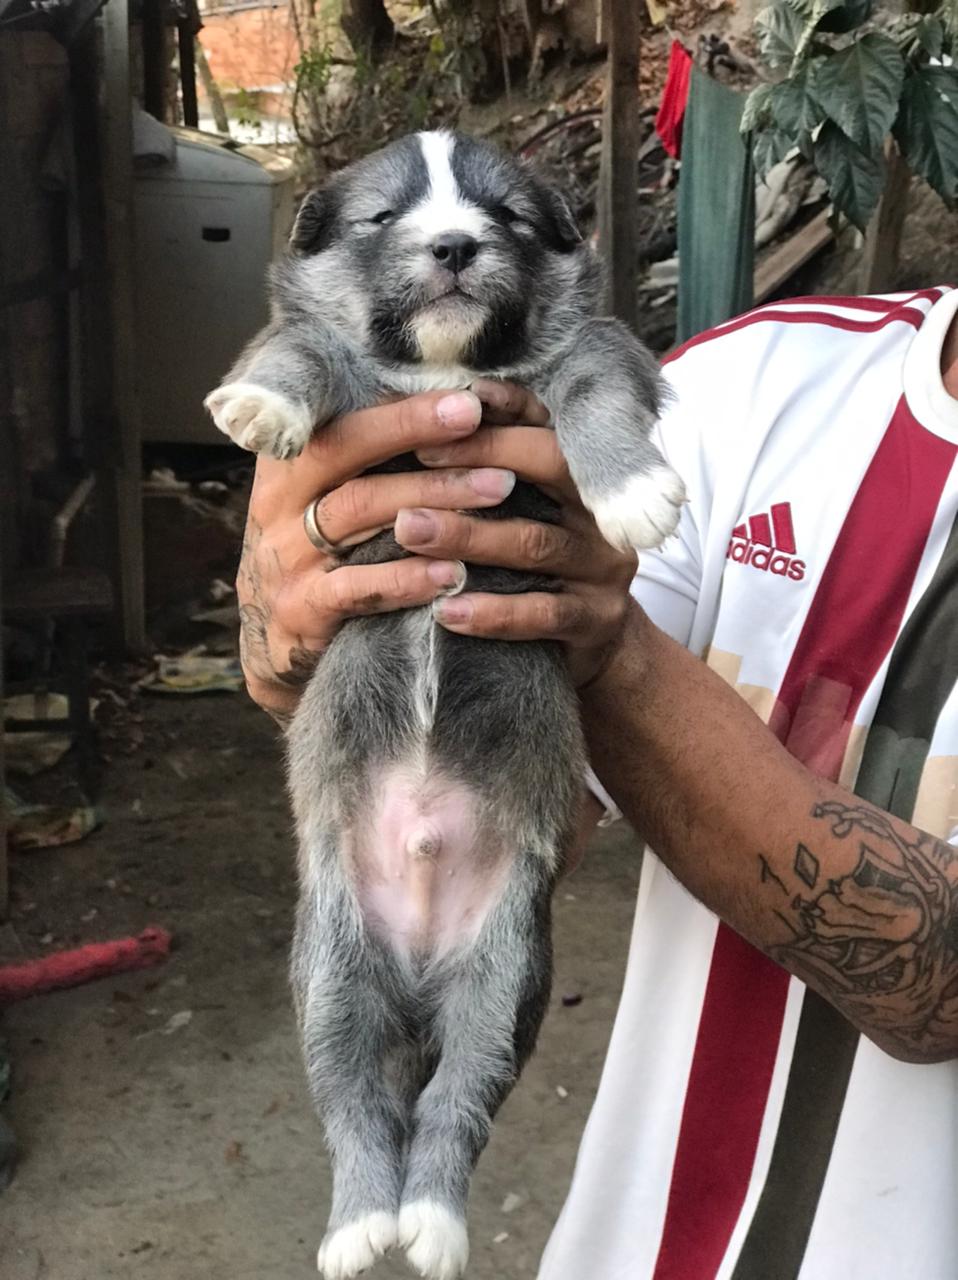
(742, 1131)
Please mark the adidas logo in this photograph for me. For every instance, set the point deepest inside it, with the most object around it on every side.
(767, 542)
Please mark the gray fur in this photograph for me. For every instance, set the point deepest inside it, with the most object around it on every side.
(409, 1056)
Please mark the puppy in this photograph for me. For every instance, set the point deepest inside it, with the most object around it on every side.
(436, 778)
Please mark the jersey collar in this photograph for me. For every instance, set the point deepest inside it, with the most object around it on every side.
(924, 390)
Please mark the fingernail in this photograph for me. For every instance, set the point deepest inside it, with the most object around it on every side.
(447, 573)
(452, 610)
(460, 412)
(490, 392)
(436, 457)
(492, 482)
(414, 526)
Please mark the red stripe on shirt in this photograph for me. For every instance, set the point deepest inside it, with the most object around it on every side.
(901, 312)
(864, 302)
(782, 524)
(850, 627)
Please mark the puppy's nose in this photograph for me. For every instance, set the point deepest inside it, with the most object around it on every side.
(455, 250)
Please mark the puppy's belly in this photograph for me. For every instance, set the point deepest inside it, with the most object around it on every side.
(425, 874)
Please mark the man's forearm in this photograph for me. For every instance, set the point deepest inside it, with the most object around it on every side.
(858, 904)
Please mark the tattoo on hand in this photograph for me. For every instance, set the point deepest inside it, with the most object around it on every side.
(254, 612)
(302, 664)
(881, 942)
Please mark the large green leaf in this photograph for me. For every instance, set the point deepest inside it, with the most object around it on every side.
(918, 34)
(771, 145)
(793, 107)
(930, 35)
(945, 80)
(780, 30)
(756, 114)
(855, 180)
(859, 88)
(927, 128)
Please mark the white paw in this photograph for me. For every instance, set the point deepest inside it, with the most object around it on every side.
(644, 513)
(260, 420)
(354, 1248)
(435, 1240)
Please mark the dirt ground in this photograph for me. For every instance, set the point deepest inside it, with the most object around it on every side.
(163, 1121)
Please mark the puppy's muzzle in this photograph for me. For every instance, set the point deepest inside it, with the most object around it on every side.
(455, 250)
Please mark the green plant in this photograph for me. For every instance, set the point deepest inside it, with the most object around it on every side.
(247, 112)
(848, 80)
(311, 74)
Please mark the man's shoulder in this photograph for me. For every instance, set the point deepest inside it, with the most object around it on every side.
(802, 359)
(807, 322)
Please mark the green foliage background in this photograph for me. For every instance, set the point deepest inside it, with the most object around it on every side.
(846, 81)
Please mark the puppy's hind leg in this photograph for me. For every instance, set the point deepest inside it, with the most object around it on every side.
(350, 1028)
(489, 1001)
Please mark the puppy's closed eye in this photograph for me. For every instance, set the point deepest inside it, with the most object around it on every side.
(512, 218)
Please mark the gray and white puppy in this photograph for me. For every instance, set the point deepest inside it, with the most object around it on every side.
(436, 778)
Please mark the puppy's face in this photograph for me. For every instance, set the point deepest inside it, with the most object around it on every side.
(438, 249)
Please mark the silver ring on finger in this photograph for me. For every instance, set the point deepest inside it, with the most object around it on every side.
(314, 532)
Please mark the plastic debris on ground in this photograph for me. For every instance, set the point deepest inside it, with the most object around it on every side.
(178, 1020)
(32, 753)
(45, 826)
(194, 672)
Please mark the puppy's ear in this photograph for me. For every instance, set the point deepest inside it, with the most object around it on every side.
(312, 230)
(562, 221)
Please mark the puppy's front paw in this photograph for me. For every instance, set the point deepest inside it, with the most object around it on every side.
(260, 420)
(354, 1248)
(644, 513)
(435, 1240)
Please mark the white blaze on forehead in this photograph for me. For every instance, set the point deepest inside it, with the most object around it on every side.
(444, 208)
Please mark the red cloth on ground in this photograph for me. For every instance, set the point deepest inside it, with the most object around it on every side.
(96, 960)
(675, 95)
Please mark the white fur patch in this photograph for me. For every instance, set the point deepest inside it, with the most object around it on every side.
(435, 1240)
(355, 1247)
(644, 513)
(260, 420)
(444, 208)
(442, 337)
(429, 377)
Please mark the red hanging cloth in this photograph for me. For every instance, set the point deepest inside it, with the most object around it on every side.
(675, 95)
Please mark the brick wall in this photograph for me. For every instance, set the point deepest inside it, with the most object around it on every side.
(253, 49)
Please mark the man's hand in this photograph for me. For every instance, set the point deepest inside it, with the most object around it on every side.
(589, 613)
(293, 598)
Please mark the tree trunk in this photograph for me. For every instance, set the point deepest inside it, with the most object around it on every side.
(618, 170)
(212, 90)
(879, 267)
(367, 25)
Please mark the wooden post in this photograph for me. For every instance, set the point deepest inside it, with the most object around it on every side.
(211, 88)
(879, 266)
(4, 815)
(186, 39)
(116, 135)
(618, 170)
(156, 67)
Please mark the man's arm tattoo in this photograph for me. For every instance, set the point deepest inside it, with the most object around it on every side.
(881, 942)
(256, 617)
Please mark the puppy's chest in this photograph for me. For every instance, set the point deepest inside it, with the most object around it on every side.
(428, 377)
